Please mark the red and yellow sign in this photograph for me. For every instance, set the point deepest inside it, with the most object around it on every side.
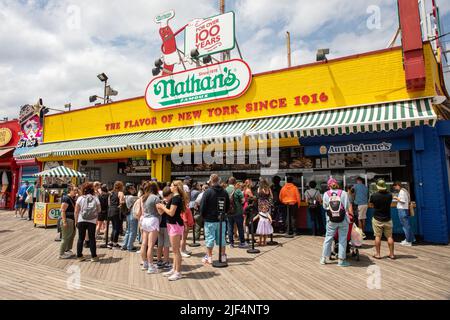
(371, 78)
(5, 136)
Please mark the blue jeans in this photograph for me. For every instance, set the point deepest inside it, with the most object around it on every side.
(403, 215)
(332, 227)
(130, 235)
(239, 220)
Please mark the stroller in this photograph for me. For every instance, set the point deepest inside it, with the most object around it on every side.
(353, 245)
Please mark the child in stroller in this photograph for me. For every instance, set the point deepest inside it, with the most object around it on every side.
(353, 245)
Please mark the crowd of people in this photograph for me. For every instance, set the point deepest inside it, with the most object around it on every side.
(161, 214)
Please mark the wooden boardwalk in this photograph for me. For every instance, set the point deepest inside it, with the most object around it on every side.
(29, 269)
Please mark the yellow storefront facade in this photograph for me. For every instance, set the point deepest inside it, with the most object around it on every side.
(369, 79)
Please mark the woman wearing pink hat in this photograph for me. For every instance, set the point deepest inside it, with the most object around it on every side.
(337, 206)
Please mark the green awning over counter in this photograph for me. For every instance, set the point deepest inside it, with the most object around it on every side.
(372, 118)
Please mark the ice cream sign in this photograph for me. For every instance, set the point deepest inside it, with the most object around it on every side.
(211, 35)
(215, 82)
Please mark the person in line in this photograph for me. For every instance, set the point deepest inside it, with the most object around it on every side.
(162, 258)
(175, 225)
(403, 201)
(132, 222)
(32, 193)
(290, 197)
(236, 213)
(361, 201)
(150, 225)
(199, 223)
(265, 204)
(68, 223)
(17, 205)
(22, 197)
(103, 215)
(382, 221)
(278, 207)
(314, 200)
(338, 208)
(116, 200)
(209, 209)
(249, 197)
(87, 208)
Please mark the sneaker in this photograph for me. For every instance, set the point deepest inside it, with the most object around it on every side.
(343, 263)
(231, 245)
(167, 265)
(80, 259)
(175, 276)
(110, 246)
(138, 251)
(406, 244)
(185, 254)
(69, 252)
(152, 269)
(243, 246)
(95, 259)
(116, 246)
(224, 258)
(169, 273)
(403, 242)
(28, 219)
(207, 260)
(159, 264)
(123, 248)
(133, 250)
(58, 239)
(144, 266)
(65, 256)
(323, 261)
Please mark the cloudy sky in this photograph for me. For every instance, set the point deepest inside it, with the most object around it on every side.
(55, 48)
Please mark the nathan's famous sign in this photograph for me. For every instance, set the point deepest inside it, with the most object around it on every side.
(210, 80)
(225, 80)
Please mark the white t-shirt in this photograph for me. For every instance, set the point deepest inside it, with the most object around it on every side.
(404, 200)
(82, 202)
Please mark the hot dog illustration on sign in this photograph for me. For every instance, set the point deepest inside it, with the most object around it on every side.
(169, 45)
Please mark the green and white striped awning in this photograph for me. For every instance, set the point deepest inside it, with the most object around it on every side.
(373, 118)
(109, 144)
(216, 133)
(60, 172)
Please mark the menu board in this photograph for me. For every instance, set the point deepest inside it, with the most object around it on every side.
(371, 159)
(336, 161)
(92, 174)
(353, 160)
(390, 159)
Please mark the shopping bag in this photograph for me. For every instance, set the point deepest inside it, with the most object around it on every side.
(356, 236)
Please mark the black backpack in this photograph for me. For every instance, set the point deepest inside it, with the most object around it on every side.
(336, 210)
(232, 210)
(312, 202)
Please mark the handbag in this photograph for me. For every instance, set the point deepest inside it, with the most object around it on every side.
(29, 199)
(188, 218)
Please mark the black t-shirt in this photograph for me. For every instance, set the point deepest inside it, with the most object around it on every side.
(70, 207)
(176, 201)
(103, 198)
(382, 206)
(163, 223)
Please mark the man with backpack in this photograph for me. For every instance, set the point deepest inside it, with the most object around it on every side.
(235, 214)
(314, 199)
(403, 201)
(87, 209)
(215, 202)
(337, 205)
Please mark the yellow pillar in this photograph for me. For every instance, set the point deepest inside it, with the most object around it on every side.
(158, 167)
(75, 167)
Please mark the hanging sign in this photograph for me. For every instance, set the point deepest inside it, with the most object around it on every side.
(221, 81)
(5, 136)
(210, 36)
